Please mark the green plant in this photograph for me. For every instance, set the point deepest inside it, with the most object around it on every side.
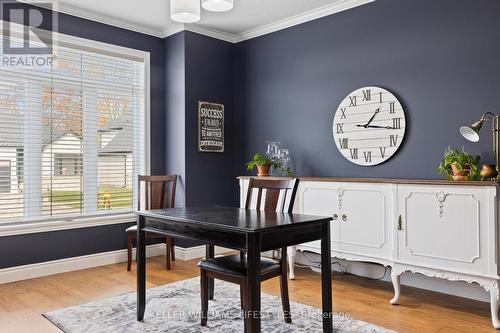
(262, 159)
(462, 161)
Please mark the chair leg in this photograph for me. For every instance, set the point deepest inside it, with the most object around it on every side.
(172, 247)
(129, 252)
(285, 300)
(204, 297)
(167, 254)
(243, 296)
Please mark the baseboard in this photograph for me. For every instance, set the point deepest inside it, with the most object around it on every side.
(196, 252)
(31, 271)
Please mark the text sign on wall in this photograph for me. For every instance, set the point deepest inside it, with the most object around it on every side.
(210, 127)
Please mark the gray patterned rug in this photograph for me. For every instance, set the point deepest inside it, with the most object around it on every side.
(175, 308)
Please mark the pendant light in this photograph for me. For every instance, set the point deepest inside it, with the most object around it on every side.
(185, 11)
(217, 5)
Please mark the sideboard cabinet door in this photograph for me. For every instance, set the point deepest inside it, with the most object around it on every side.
(365, 223)
(446, 227)
(318, 198)
(362, 214)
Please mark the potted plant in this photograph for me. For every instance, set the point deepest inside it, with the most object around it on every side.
(459, 165)
(264, 164)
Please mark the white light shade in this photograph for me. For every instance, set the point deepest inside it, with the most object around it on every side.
(469, 134)
(185, 11)
(217, 5)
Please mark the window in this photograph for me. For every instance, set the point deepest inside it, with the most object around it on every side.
(67, 165)
(5, 177)
(72, 135)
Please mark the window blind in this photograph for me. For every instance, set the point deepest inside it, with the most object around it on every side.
(71, 135)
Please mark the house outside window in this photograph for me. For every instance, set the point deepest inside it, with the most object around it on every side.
(5, 176)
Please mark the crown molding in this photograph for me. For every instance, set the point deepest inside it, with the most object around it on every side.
(211, 33)
(336, 7)
(311, 15)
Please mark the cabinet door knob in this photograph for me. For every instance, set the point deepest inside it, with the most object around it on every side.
(335, 217)
(344, 217)
(400, 223)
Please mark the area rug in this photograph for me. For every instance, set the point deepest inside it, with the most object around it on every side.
(175, 308)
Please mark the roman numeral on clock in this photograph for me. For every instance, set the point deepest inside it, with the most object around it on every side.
(382, 151)
(394, 140)
(354, 153)
(368, 156)
(343, 143)
(380, 97)
(352, 100)
(342, 115)
(392, 107)
(396, 123)
(340, 128)
(367, 95)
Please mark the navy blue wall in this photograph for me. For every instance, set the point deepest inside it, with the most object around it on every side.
(209, 77)
(32, 248)
(440, 58)
(175, 114)
(198, 68)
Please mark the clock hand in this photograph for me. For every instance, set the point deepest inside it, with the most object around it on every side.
(371, 119)
(375, 126)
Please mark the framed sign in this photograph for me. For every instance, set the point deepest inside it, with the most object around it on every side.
(210, 127)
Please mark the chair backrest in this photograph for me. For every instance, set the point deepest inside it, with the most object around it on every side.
(277, 191)
(159, 191)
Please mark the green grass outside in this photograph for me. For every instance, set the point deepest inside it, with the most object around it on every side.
(119, 197)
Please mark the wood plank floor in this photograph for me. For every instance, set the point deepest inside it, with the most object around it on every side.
(22, 303)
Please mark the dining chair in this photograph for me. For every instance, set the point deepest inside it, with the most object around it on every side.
(159, 193)
(279, 196)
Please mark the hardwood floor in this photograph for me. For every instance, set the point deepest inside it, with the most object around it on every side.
(22, 303)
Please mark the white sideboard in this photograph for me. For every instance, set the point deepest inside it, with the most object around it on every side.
(441, 229)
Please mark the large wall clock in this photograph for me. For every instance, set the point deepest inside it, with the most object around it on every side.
(369, 126)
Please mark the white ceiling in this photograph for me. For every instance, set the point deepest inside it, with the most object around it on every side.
(248, 18)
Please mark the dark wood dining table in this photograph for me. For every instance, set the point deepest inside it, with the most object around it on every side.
(244, 230)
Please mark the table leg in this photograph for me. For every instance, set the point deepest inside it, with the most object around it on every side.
(326, 279)
(252, 313)
(210, 253)
(141, 268)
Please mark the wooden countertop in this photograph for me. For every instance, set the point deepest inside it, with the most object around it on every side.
(388, 181)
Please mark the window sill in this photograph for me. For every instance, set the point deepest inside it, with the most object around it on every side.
(47, 226)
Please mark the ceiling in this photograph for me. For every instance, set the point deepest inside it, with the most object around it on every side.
(248, 18)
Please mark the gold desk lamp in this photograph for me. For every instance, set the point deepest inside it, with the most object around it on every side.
(471, 133)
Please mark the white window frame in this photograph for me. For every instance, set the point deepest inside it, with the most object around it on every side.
(29, 226)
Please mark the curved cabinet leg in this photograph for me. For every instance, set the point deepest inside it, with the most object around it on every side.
(494, 305)
(291, 261)
(396, 282)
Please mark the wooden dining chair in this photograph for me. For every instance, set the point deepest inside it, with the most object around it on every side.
(159, 193)
(279, 196)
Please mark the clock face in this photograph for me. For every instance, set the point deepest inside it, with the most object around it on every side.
(369, 126)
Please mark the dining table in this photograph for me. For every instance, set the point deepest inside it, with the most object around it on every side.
(248, 230)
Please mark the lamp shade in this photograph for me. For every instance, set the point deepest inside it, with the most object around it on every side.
(217, 5)
(469, 133)
(185, 11)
